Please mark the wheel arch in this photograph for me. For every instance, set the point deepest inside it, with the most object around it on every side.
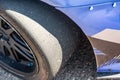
(79, 31)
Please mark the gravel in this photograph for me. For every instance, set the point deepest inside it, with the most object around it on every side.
(7, 76)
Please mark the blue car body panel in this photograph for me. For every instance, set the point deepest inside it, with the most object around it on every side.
(72, 3)
(93, 17)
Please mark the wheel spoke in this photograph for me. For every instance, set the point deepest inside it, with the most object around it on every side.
(13, 49)
(22, 50)
(18, 40)
(15, 54)
(20, 46)
(12, 54)
(2, 48)
(9, 31)
(23, 53)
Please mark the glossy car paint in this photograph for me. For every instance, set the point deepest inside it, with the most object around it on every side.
(95, 18)
(73, 3)
(100, 21)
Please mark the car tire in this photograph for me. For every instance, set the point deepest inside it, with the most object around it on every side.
(51, 36)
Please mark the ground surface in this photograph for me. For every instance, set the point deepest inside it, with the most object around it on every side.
(7, 76)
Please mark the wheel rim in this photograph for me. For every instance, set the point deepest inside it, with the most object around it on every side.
(14, 51)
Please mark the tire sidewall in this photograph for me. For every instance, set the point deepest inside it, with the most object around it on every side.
(44, 72)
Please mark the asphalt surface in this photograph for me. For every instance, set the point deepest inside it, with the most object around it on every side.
(7, 76)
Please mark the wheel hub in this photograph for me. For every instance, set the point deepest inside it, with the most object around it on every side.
(14, 51)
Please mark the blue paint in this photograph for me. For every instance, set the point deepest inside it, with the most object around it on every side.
(69, 3)
(102, 16)
(115, 67)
